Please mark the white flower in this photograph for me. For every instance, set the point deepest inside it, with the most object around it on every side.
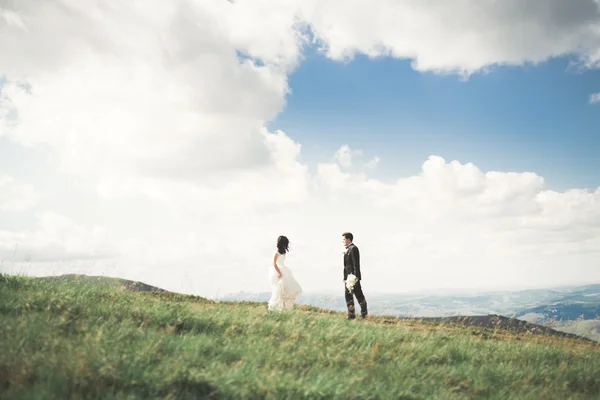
(350, 282)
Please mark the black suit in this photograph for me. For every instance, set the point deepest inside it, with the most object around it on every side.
(352, 266)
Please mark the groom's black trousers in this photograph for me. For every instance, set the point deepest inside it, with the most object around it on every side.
(359, 296)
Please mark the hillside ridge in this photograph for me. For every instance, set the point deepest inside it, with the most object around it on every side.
(490, 322)
(134, 286)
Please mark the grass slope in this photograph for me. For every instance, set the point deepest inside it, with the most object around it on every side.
(70, 339)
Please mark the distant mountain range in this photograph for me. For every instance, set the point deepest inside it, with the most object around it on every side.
(570, 309)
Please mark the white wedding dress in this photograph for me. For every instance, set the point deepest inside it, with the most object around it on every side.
(285, 290)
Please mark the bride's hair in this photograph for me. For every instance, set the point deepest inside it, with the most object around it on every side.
(283, 244)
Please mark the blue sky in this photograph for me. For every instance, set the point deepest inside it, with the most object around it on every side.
(533, 118)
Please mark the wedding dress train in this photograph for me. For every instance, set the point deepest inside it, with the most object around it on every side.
(285, 290)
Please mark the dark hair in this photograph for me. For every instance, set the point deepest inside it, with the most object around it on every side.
(283, 244)
(348, 235)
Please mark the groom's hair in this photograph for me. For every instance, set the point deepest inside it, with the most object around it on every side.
(348, 235)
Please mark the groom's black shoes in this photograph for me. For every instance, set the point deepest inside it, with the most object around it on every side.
(364, 316)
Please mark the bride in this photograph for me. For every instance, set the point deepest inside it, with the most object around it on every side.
(285, 288)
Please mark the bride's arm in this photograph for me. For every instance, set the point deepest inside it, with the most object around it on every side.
(275, 264)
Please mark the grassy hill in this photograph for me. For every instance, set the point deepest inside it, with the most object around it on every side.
(91, 338)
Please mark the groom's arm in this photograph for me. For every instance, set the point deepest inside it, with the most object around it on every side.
(355, 258)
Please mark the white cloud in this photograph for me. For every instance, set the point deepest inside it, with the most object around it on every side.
(15, 196)
(461, 36)
(150, 104)
(56, 238)
(373, 162)
(451, 225)
(594, 98)
(151, 90)
(344, 155)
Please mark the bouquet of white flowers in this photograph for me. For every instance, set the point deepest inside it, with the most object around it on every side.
(350, 282)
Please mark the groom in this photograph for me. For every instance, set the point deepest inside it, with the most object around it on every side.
(352, 266)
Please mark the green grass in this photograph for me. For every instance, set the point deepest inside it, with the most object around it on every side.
(77, 339)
